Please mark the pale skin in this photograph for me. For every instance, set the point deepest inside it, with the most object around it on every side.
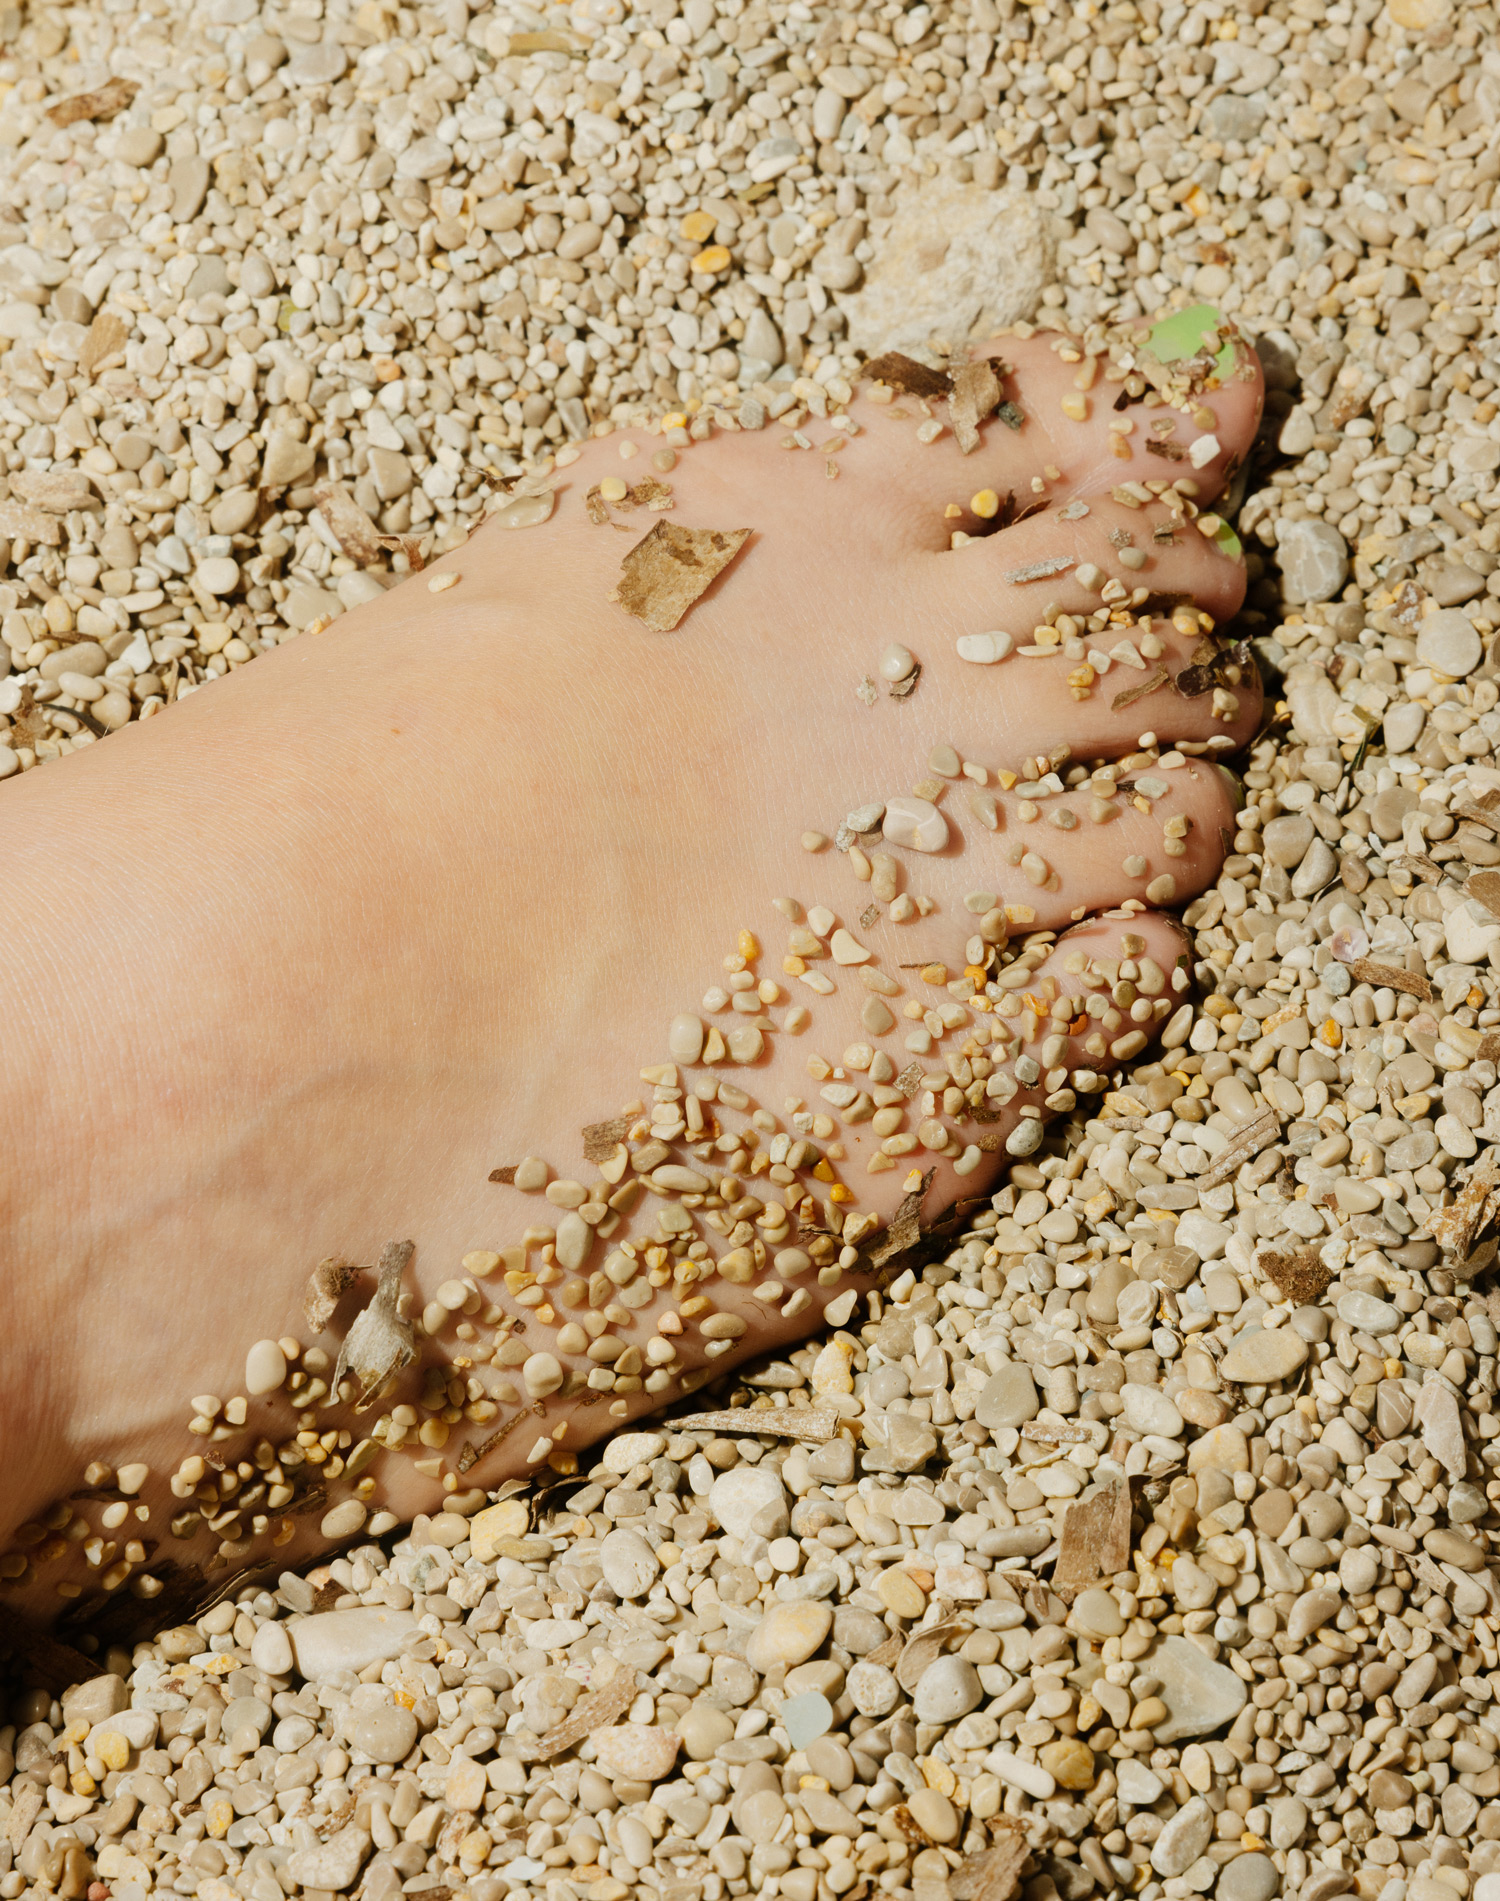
(294, 966)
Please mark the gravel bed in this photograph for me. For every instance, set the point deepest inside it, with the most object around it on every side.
(1152, 1534)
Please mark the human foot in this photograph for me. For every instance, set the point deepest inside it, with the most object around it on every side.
(421, 894)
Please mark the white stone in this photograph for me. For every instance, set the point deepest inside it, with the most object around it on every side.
(915, 823)
(740, 1495)
(1200, 1232)
(1183, 1839)
(347, 1640)
(685, 1039)
(1314, 559)
(948, 1688)
(984, 649)
(265, 1368)
(1260, 1357)
(957, 261)
(1147, 1409)
(1200, 1696)
(629, 1564)
(333, 1865)
(1136, 1784)
(1449, 642)
(631, 1449)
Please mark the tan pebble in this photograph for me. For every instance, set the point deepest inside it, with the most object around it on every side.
(1148, 1713)
(440, 583)
(1069, 1762)
(899, 1591)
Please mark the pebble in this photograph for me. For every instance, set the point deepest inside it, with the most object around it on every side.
(1200, 1695)
(1007, 1398)
(332, 1866)
(983, 650)
(630, 1449)
(788, 1634)
(641, 1752)
(271, 1650)
(1252, 1877)
(487, 1529)
(1183, 1838)
(948, 1688)
(806, 1717)
(915, 823)
(1069, 1762)
(1261, 1358)
(1314, 560)
(897, 663)
(265, 1368)
(1368, 1314)
(739, 1497)
(465, 1785)
(334, 1641)
(1449, 641)
(934, 1814)
(629, 1564)
(1147, 1409)
(386, 1734)
(872, 1688)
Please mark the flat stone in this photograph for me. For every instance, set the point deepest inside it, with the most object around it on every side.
(1147, 1409)
(1403, 725)
(1449, 641)
(739, 1495)
(386, 1734)
(1185, 1836)
(933, 1813)
(333, 1641)
(806, 1717)
(789, 1634)
(1263, 1357)
(1314, 560)
(1200, 1696)
(1441, 1422)
(638, 1752)
(1102, 1302)
(631, 1449)
(948, 1689)
(629, 1564)
(1316, 869)
(489, 1528)
(895, 1442)
(1285, 840)
(1007, 1398)
(1222, 1448)
(1311, 1612)
(1136, 1783)
(1069, 1762)
(333, 1865)
(1096, 1614)
(1251, 1877)
(1367, 1314)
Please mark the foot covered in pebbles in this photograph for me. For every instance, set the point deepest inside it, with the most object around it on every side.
(654, 956)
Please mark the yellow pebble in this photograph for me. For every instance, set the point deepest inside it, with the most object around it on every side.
(899, 1591)
(1331, 1033)
(613, 488)
(714, 258)
(986, 504)
(1075, 406)
(217, 1816)
(113, 1750)
(697, 226)
(1148, 1713)
(748, 946)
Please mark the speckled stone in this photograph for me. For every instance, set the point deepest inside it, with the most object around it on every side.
(948, 1688)
(638, 1752)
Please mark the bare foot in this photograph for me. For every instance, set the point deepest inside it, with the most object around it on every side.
(427, 893)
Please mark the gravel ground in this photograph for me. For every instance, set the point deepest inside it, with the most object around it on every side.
(1150, 1532)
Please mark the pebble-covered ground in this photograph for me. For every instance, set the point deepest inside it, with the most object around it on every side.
(296, 281)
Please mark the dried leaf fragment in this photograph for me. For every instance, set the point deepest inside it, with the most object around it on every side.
(903, 689)
(601, 1139)
(357, 536)
(506, 1175)
(1040, 570)
(907, 375)
(905, 1228)
(28, 1806)
(1391, 976)
(326, 1287)
(380, 1342)
(924, 1647)
(975, 395)
(112, 97)
(1095, 1539)
(1299, 1274)
(1155, 679)
(416, 548)
(670, 566)
(1454, 1228)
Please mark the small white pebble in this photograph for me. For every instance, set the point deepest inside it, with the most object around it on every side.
(1203, 451)
(984, 649)
(440, 583)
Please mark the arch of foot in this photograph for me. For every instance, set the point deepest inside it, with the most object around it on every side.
(706, 1219)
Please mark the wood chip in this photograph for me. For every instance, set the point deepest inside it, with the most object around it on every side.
(26, 1808)
(1298, 1273)
(1479, 815)
(601, 1139)
(1041, 571)
(974, 395)
(416, 548)
(1095, 1539)
(668, 568)
(1059, 1435)
(329, 1281)
(1485, 886)
(1249, 1139)
(357, 536)
(595, 1711)
(814, 1424)
(380, 1342)
(1168, 451)
(107, 100)
(506, 1174)
(1389, 976)
(903, 689)
(106, 339)
(906, 375)
(1417, 865)
(1454, 1228)
(994, 1873)
(905, 1228)
(1011, 414)
(1155, 679)
(909, 1080)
